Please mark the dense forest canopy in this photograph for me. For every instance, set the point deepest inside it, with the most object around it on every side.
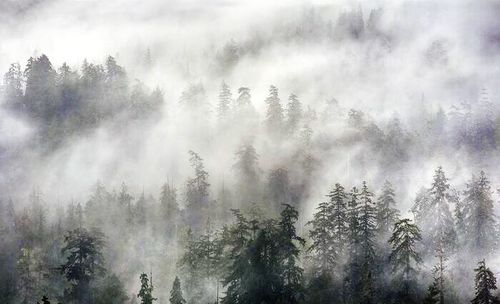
(249, 152)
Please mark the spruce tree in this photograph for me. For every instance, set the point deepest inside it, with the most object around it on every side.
(479, 217)
(367, 226)
(225, 100)
(146, 291)
(387, 214)
(293, 113)
(176, 293)
(289, 245)
(197, 195)
(274, 112)
(405, 258)
(485, 282)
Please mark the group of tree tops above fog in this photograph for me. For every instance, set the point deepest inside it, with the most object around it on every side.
(356, 248)
(64, 101)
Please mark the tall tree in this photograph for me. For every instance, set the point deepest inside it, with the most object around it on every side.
(479, 216)
(84, 261)
(176, 293)
(197, 195)
(405, 258)
(432, 212)
(485, 282)
(169, 209)
(247, 173)
(367, 226)
(292, 273)
(146, 292)
(274, 112)
(387, 214)
(293, 113)
(225, 100)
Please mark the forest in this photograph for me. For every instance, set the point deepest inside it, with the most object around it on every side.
(147, 177)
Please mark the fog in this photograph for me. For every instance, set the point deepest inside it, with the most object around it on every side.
(411, 60)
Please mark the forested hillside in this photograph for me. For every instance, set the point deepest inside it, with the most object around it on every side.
(332, 153)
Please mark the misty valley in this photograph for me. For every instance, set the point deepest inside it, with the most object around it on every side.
(336, 153)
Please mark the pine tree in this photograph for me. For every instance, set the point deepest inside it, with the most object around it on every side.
(294, 113)
(274, 112)
(485, 282)
(146, 292)
(479, 218)
(404, 257)
(176, 293)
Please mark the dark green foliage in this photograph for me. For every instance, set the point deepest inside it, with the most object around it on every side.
(146, 291)
(405, 259)
(387, 214)
(110, 290)
(176, 293)
(485, 282)
(84, 261)
(432, 296)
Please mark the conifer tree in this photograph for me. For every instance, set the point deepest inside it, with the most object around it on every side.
(433, 214)
(225, 100)
(367, 226)
(197, 195)
(84, 261)
(274, 112)
(387, 214)
(176, 293)
(485, 282)
(146, 291)
(294, 113)
(479, 218)
(405, 258)
(291, 271)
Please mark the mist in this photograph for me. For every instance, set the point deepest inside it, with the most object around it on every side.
(386, 91)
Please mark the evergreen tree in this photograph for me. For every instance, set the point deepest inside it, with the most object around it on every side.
(247, 173)
(169, 209)
(274, 112)
(405, 258)
(197, 192)
(294, 113)
(84, 261)
(146, 292)
(225, 100)
(291, 272)
(13, 87)
(432, 296)
(387, 214)
(235, 280)
(176, 293)
(367, 226)
(432, 212)
(485, 282)
(479, 219)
